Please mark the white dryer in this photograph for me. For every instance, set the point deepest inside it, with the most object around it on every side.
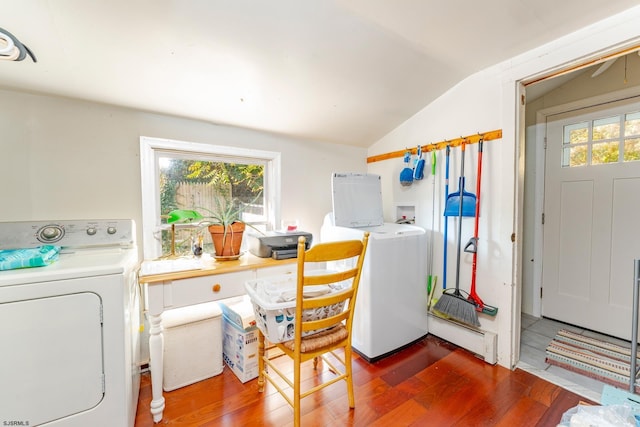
(70, 330)
(391, 307)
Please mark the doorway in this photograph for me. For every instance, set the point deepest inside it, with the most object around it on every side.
(552, 97)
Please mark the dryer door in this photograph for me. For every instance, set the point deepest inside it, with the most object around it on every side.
(51, 357)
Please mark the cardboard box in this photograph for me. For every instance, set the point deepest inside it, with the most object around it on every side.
(240, 349)
(239, 310)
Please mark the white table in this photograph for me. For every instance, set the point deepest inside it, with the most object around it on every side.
(209, 282)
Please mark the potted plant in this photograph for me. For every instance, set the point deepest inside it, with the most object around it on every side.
(226, 226)
(224, 222)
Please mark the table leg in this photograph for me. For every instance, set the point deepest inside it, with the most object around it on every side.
(156, 352)
(261, 363)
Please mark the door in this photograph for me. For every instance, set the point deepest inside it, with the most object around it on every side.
(52, 365)
(591, 206)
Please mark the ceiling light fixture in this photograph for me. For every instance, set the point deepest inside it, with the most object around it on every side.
(11, 49)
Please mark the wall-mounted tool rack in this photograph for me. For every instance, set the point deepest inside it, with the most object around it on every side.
(471, 139)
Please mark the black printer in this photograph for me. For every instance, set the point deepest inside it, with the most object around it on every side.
(276, 244)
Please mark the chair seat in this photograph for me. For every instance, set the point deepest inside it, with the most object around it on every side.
(320, 340)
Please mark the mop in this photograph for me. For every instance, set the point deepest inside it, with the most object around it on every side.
(431, 279)
(452, 303)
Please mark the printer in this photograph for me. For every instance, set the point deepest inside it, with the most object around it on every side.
(276, 244)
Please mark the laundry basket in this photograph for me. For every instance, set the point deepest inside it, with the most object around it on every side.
(274, 304)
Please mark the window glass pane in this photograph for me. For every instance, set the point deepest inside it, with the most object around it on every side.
(604, 152)
(574, 156)
(607, 128)
(576, 133)
(632, 150)
(194, 184)
(632, 124)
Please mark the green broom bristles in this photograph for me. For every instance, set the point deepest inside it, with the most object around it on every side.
(457, 307)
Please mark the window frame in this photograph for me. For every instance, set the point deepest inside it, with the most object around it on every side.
(152, 148)
(617, 116)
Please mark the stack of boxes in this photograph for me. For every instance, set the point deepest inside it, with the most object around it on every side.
(240, 337)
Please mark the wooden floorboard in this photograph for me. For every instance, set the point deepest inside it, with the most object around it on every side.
(430, 383)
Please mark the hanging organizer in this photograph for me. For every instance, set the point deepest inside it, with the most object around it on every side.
(471, 139)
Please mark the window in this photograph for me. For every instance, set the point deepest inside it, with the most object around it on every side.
(606, 140)
(184, 175)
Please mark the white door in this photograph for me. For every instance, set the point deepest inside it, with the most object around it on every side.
(592, 202)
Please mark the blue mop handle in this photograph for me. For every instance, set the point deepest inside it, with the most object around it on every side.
(446, 218)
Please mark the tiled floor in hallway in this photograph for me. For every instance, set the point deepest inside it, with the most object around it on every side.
(536, 335)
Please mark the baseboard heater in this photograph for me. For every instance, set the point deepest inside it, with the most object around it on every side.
(482, 343)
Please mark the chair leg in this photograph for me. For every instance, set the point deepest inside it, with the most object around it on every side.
(296, 391)
(349, 372)
(261, 364)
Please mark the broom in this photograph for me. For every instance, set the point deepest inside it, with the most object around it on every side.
(452, 303)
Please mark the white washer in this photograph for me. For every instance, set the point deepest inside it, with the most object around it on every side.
(391, 307)
(70, 330)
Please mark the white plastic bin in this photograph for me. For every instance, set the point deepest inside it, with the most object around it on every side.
(192, 344)
(274, 304)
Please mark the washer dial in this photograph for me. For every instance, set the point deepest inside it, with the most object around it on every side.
(50, 233)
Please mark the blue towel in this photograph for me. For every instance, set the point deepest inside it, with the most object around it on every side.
(25, 258)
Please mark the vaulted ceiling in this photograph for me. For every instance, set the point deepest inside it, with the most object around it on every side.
(343, 71)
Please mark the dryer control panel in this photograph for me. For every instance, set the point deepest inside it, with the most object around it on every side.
(67, 233)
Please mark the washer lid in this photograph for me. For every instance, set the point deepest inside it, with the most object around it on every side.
(357, 200)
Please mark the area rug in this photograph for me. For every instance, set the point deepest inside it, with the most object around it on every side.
(604, 361)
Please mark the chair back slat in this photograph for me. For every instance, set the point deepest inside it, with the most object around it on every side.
(327, 322)
(350, 254)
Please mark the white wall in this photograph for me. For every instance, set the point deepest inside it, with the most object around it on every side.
(68, 159)
(486, 101)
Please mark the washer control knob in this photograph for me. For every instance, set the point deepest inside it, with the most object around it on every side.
(111, 230)
(50, 233)
(91, 231)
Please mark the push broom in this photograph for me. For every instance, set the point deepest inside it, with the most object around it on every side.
(472, 247)
(452, 303)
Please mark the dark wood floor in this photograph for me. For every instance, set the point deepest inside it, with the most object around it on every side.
(431, 383)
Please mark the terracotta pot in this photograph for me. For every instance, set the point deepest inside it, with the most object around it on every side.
(227, 244)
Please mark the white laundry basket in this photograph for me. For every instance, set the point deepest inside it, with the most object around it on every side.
(274, 304)
(192, 344)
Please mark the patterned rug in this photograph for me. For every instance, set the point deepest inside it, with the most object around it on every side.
(606, 362)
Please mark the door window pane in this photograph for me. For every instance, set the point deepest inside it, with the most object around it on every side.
(576, 133)
(632, 150)
(604, 152)
(574, 156)
(632, 124)
(607, 128)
